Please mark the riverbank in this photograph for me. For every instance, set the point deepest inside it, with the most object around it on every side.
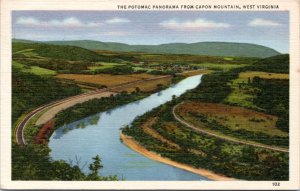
(52, 109)
(131, 143)
(50, 114)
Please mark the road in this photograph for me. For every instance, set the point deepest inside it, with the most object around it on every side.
(19, 132)
(226, 138)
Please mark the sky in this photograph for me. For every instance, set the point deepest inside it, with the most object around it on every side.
(267, 28)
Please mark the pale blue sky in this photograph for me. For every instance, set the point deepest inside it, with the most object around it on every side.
(155, 27)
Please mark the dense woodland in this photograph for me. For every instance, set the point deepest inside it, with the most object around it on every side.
(214, 87)
(30, 91)
(274, 98)
(276, 64)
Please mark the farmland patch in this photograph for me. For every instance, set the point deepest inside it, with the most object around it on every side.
(235, 118)
(243, 93)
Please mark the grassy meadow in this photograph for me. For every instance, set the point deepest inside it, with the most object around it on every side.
(235, 118)
(36, 70)
(244, 93)
(103, 65)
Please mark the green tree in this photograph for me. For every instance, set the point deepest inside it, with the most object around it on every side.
(174, 98)
(256, 80)
(94, 168)
(137, 90)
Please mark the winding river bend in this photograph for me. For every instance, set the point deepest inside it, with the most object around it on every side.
(78, 142)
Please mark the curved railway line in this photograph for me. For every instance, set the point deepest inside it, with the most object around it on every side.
(226, 138)
(19, 131)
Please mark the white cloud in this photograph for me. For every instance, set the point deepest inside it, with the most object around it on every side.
(199, 23)
(116, 20)
(67, 22)
(258, 22)
(27, 21)
(115, 33)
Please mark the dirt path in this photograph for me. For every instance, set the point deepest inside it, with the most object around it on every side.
(131, 143)
(223, 137)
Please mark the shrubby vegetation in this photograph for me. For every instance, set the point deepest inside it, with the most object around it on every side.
(33, 163)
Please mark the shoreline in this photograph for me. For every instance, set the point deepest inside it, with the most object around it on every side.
(132, 144)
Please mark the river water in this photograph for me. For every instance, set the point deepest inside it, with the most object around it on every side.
(78, 142)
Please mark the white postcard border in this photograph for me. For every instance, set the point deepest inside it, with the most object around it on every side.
(9, 5)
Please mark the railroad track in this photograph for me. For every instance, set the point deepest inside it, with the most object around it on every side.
(196, 129)
(19, 132)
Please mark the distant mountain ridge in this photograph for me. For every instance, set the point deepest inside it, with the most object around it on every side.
(199, 48)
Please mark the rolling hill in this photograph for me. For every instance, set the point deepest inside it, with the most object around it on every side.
(199, 48)
(276, 64)
(64, 52)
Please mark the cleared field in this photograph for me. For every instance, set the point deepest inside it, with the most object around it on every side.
(148, 86)
(141, 68)
(105, 79)
(228, 58)
(265, 75)
(243, 93)
(234, 118)
(28, 53)
(242, 98)
(219, 66)
(33, 69)
(103, 65)
(194, 72)
(24, 51)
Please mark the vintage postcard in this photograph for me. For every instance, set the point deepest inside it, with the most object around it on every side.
(147, 94)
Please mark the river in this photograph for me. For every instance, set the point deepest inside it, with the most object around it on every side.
(78, 142)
